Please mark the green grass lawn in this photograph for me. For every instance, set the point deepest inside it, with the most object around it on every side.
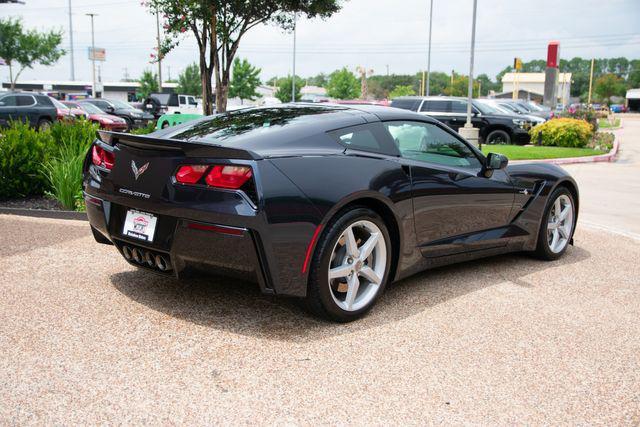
(519, 152)
(604, 123)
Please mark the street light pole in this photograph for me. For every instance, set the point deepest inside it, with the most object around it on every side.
(468, 132)
(93, 56)
(293, 79)
(429, 54)
(159, 54)
(73, 67)
(473, 44)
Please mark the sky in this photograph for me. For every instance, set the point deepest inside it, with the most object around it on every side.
(381, 35)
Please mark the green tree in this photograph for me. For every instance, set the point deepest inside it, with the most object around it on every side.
(189, 82)
(460, 86)
(218, 27)
(245, 80)
(148, 84)
(343, 84)
(284, 89)
(633, 80)
(27, 48)
(402, 90)
(609, 85)
(318, 80)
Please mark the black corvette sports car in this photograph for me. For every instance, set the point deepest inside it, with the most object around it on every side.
(326, 203)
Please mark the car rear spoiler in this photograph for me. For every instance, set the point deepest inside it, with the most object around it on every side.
(187, 148)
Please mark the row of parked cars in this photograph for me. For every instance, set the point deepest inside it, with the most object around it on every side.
(42, 110)
(501, 121)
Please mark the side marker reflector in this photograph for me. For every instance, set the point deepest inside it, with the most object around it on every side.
(312, 243)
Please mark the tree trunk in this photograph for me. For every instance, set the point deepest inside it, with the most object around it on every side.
(13, 83)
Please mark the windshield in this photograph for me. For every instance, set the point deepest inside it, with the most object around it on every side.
(90, 108)
(486, 108)
(121, 104)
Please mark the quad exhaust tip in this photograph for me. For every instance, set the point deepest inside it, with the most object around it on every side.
(146, 258)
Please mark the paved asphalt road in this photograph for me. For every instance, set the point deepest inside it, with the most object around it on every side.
(85, 338)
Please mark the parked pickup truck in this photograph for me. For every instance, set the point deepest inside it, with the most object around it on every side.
(171, 103)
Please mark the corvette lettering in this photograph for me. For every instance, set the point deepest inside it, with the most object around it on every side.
(134, 193)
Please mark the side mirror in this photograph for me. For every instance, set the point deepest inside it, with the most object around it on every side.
(496, 161)
(110, 109)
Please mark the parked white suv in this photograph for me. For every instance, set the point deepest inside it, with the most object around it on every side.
(172, 103)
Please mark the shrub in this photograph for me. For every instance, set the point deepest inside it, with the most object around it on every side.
(562, 132)
(79, 135)
(602, 141)
(150, 127)
(23, 150)
(589, 115)
(64, 173)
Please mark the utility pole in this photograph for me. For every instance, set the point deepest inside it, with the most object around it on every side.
(159, 53)
(387, 70)
(293, 79)
(73, 71)
(468, 131)
(429, 54)
(590, 82)
(93, 56)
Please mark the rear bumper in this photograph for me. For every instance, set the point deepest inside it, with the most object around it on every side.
(184, 246)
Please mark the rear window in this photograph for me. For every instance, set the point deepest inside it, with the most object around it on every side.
(406, 104)
(436, 106)
(250, 121)
(8, 101)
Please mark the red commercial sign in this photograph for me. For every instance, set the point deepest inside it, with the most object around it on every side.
(553, 55)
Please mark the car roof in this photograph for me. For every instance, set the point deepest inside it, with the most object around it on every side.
(284, 128)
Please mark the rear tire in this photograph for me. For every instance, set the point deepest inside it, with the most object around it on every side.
(44, 124)
(359, 273)
(498, 137)
(557, 226)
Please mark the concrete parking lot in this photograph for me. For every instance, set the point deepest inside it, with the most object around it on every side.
(85, 338)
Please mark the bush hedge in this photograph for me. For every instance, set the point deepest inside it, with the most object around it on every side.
(23, 150)
(33, 163)
(563, 132)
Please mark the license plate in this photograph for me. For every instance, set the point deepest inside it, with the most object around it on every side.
(140, 225)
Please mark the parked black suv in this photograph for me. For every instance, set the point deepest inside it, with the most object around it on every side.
(34, 108)
(134, 117)
(495, 126)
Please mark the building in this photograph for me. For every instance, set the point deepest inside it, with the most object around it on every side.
(123, 91)
(633, 99)
(531, 86)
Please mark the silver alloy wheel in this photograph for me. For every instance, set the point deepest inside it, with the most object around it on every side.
(560, 224)
(357, 266)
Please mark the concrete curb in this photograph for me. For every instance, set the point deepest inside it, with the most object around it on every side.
(609, 157)
(45, 213)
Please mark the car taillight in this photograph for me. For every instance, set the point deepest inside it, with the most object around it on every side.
(220, 176)
(103, 158)
(232, 177)
(190, 174)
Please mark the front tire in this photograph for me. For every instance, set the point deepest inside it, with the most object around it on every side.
(498, 137)
(350, 267)
(44, 125)
(558, 225)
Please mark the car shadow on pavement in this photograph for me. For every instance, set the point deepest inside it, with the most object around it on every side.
(239, 307)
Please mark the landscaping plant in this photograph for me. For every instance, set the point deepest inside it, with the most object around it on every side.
(64, 173)
(23, 150)
(562, 132)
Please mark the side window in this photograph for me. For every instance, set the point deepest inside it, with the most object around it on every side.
(370, 137)
(25, 100)
(458, 106)
(406, 104)
(101, 104)
(428, 142)
(45, 100)
(192, 101)
(436, 106)
(8, 101)
(183, 100)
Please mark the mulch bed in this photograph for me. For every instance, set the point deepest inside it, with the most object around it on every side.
(36, 202)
